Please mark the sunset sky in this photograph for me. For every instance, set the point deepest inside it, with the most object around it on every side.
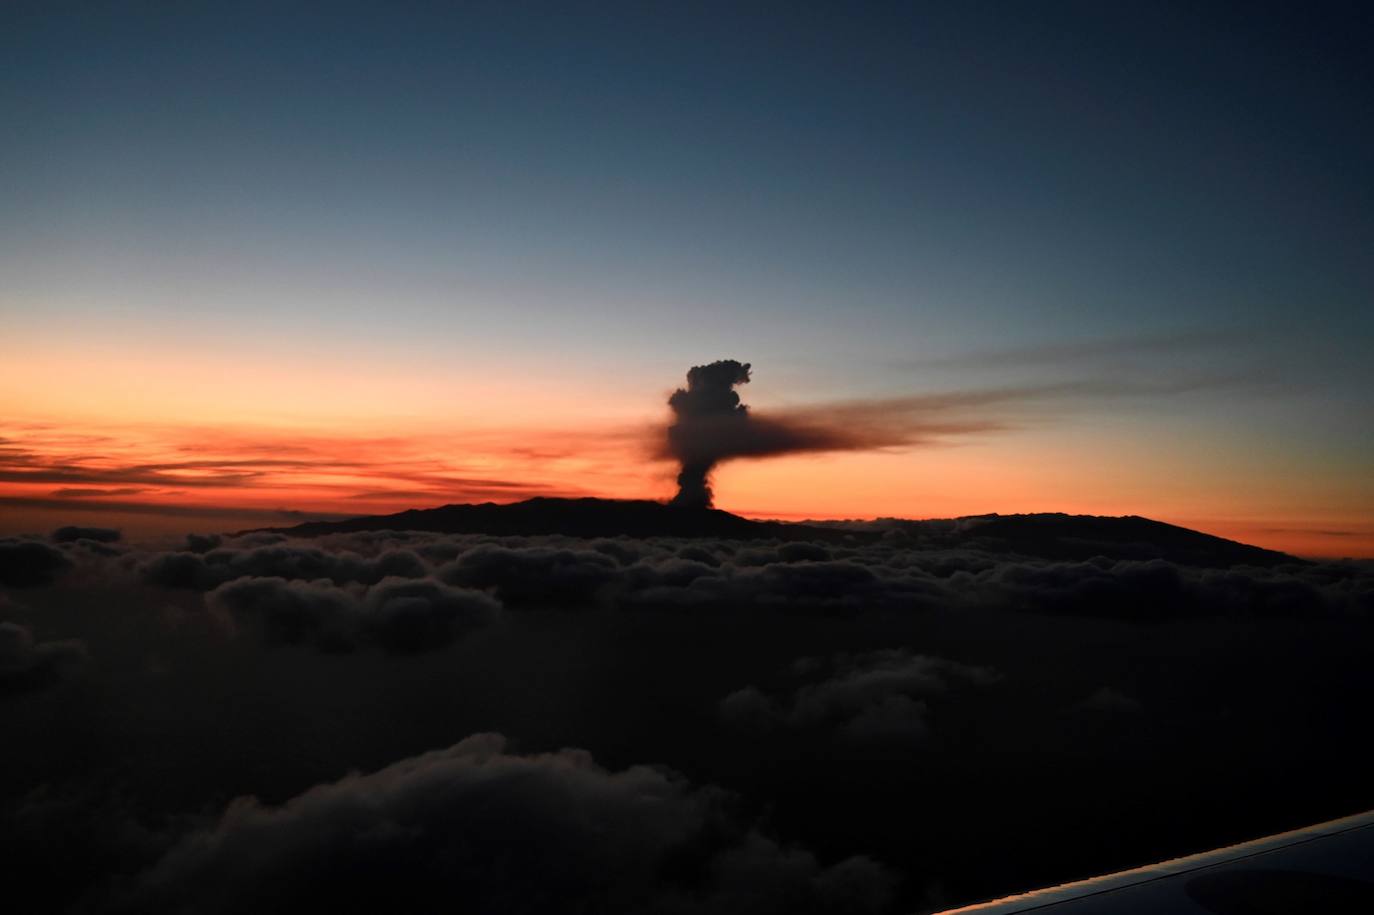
(283, 261)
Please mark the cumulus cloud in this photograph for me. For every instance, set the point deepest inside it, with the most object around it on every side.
(1158, 590)
(840, 584)
(879, 696)
(909, 571)
(535, 574)
(203, 543)
(401, 616)
(482, 829)
(205, 566)
(29, 563)
(936, 660)
(29, 665)
(409, 616)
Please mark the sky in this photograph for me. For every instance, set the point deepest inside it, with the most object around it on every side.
(293, 260)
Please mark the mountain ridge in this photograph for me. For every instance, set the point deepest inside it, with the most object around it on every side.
(1050, 535)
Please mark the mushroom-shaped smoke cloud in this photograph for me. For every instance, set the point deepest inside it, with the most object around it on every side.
(708, 416)
(710, 425)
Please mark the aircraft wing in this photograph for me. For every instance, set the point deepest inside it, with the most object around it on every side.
(1327, 869)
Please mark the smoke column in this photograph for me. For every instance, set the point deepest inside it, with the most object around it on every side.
(706, 408)
(710, 425)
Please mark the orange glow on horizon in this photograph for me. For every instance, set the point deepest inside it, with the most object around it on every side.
(280, 435)
(164, 477)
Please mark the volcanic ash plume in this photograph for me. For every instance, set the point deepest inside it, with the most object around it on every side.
(707, 414)
(710, 425)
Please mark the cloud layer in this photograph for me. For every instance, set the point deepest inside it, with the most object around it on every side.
(860, 723)
(876, 696)
(29, 665)
(891, 573)
(398, 615)
(495, 831)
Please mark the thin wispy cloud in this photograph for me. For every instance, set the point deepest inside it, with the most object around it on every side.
(236, 472)
(1078, 352)
(173, 510)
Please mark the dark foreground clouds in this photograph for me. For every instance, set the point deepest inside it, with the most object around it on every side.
(534, 574)
(893, 573)
(868, 721)
(488, 830)
(203, 566)
(27, 563)
(876, 696)
(26, 664)
(1160, 590)
(398, 615)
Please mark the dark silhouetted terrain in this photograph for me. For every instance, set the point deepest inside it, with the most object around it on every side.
(1045, 536)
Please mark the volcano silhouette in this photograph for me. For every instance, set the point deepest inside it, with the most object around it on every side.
(1045, 536)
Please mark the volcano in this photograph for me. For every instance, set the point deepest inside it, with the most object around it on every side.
(1045, 536)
